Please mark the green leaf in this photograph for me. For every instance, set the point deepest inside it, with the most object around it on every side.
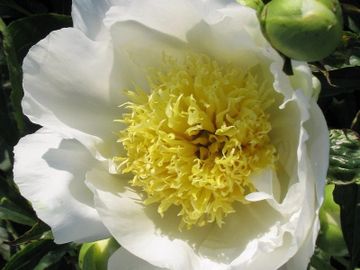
(9, 133)
(351, 12)
(355, 125)
(349, 47)
(320, 261)
(5, 162)
(13, 5)
(18, 37)
(348, 197)
(10, 211)
(53, 257)
(29, 257)
(39, 231)
(330, 238)
(15, 75)
(344, 157)
(351, 9)
(344, 171)
(7, 13)
(9, 190)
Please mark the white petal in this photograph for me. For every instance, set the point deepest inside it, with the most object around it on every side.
(124, 260)
(302, 257)
(318, 148)
(309, 152)
(267, 260)
(50, 173)
(178, 17)
(312, 165)
(253, 234)
(267, 185)
(122, 211)
(255, 231)
(139, 48)
(222, 29)
(231, 34)
(88, 16)
(67, 87)
(285, 136)
(174, 18)
(302, 78)
(257, 196)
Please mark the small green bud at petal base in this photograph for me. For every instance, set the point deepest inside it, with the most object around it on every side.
(306, 30)
(255, 4)
(95, 255)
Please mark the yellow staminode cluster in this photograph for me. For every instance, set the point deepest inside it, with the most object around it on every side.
(193, 141)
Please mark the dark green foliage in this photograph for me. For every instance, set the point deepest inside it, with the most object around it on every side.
(344, 171)
(348, 197)
(29, 241)
(18, 37)
(344, 157)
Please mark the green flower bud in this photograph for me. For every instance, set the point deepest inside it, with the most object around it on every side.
(255, 4)
(307, 30)
(95, 255)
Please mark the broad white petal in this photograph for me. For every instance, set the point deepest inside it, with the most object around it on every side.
(313, 163)
(132, 224)
(286, 125)
(318, 148)
(161, 15)
(173, 18)
(88, 16)
(254, 232)
(257, 196)
(302, 257)
(312, 156)
(50, 173)
(267, 186)
(309, 150)
(302, 78)
(231, 34)
(124, 260)
(67, 87)
(222, 29)
(139, 49)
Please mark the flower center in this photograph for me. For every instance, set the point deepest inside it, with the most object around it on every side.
(196, 137)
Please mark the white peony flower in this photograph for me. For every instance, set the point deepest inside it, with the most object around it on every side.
(170, 126)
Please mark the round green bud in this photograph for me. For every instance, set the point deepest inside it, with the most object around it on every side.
(254, 4)
(95, 255)
(306, 30)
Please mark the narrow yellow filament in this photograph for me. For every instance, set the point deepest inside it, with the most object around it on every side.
(194, 140)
